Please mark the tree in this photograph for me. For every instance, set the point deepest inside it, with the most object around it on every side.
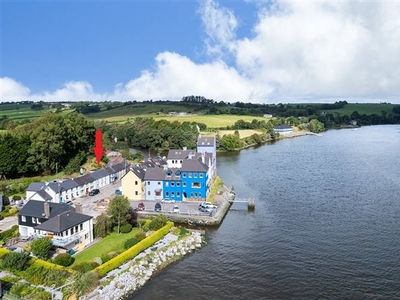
(118, 210)
(102, 226)
(132, 218)
(40, 247)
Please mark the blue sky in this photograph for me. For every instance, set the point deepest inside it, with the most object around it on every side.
(249, 51)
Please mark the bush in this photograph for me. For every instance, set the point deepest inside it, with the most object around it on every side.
(84, 267)
(158, 222)
(64, 259)
(141, 235)
(129, 243)
(16, 197)
(126, 228)
(9, 234)
(16, 261)
(41, 246)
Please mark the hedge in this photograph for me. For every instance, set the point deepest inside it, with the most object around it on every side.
(3, 251)
(47, 265)
(130, 253)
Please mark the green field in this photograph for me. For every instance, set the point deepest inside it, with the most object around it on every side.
(364, 108)
(21, 112)
(212, 121)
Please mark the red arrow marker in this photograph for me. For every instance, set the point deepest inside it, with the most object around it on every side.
(98, 148)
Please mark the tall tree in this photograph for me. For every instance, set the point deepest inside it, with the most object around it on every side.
(118, 210)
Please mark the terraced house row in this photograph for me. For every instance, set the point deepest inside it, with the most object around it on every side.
(181, 175)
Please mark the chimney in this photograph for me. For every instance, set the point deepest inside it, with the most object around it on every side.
(46, 209)
(78, 208)
(203, 157)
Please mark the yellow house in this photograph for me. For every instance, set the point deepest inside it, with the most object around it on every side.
(132, 184)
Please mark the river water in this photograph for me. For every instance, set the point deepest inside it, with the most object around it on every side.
(326, 223)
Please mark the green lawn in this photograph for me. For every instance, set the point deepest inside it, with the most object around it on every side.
(112, 242)
(364, 108)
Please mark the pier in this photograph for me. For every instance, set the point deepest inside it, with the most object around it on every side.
(251, 204)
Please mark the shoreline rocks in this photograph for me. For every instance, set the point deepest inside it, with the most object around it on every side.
(134, 274)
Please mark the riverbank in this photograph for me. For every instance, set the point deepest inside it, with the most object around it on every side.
(134, 274)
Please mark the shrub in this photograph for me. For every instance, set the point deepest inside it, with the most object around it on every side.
(16, 197)
(105, 257)
(141, 235)
(64, 259)
(158, 222)
(16, 261)
(83, 267)
(126, 228)
(9, 234)
(129, 243)
(41, 246)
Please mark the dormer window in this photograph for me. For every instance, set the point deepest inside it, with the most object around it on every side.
(169, 173)
(177, 173)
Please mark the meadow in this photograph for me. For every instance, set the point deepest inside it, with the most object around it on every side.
(364, 108)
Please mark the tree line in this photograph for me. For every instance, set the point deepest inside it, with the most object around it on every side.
(40, 147)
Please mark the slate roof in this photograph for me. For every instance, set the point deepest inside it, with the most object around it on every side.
(85, 179)
(35, 208)
(180, 154)
(55, 186)
(118, 167)
(68, 184)
(99, 174)
(208, 141)
(44, 195)
(63, 221)
(283, 126)
(139, 171)
(193, 165)
(155, 174)
(36, 186)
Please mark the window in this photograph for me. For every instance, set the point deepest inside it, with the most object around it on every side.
(72, 231)
(166, 183)
(178, 194)
(172, 184)
(190, 175)
(166, 194)
(195, 175)
(38, 221)
(86, 236)
(148, 182)
(201, 175)
(136, 182)
(148, 193)
(33, 220)
(178, 184)
(195, 184)
(184, 175)
(76, 228)
(159, 183)
(158, 192)
(172, 194)
(23, 218)
(184, 184)
(136, 193)
(81, 227)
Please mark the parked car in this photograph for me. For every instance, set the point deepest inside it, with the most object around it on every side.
(157, 207)
(207, 205)
(94, 192)
(205, 209)
(167, 201)
(69, 202)
(118, 192)
(175, 209)
(141, 206)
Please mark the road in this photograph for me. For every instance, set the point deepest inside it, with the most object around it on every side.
(90, 207)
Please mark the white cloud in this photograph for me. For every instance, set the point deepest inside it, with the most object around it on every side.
(326, 49)
(304, 50)
(220, 26)
(176, 76)
(11, 90)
